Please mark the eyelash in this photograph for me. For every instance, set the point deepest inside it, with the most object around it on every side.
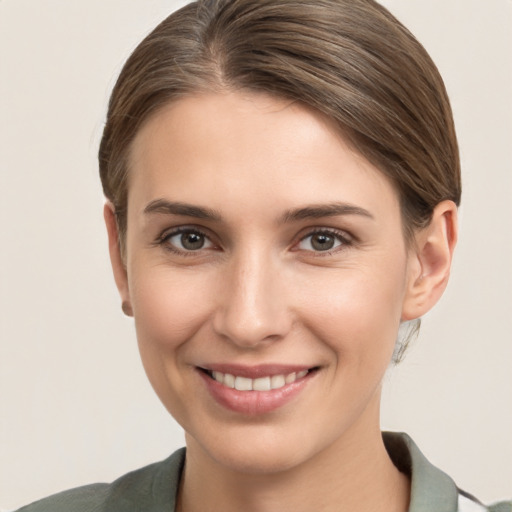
(163, 240)
(343, 238)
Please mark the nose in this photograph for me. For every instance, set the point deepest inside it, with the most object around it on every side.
(253, 307)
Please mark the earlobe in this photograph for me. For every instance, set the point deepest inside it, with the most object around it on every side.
(116, 258)
(430, 261)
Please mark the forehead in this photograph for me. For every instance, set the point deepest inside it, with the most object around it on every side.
(252, 149)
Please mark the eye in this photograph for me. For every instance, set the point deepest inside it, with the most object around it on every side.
(186, 240)
(322, 241)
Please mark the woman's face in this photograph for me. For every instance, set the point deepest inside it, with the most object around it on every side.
(262, 252)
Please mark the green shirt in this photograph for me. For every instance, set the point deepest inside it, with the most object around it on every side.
(153, 488)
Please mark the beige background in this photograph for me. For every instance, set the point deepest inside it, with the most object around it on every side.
(75, 406)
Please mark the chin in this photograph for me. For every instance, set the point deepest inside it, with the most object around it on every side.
(262, 451)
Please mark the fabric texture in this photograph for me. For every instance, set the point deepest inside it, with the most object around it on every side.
(154, 487)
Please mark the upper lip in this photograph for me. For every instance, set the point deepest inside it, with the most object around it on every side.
(253, 372)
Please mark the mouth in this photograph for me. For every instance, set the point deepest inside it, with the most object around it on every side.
(255, 390)
(263, 383)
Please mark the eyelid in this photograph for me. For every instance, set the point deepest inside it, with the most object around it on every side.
(163, 238)
(346, 239)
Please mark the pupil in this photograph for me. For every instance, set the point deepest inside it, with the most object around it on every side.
(192, 241)
(322, 242)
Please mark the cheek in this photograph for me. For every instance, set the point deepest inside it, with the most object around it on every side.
(356, 311)
(169, 308)
(168, 305)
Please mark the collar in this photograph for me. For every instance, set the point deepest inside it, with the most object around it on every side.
(431, 488)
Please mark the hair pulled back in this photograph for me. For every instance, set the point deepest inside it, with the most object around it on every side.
(348, 59)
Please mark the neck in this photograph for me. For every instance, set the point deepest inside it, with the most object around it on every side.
(355, 473)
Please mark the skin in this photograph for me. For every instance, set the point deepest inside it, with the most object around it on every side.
(259, 291)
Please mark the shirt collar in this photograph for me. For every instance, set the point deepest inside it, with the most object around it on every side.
(431, 488)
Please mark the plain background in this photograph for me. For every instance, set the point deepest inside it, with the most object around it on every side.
(75, 406)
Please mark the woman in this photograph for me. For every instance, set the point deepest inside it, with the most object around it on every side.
(282, 181)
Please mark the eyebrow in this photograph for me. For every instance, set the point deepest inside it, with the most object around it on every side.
(324, 210)
(163, 206)
(177, 208)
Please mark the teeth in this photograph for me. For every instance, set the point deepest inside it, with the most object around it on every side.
(243, 384)
(277, 381)
(262, 384)
(259, 384)
(290, 378)
(229, 380)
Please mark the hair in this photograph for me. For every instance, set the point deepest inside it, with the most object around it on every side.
(350, 60)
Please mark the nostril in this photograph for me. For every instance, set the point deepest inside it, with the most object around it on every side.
(251, 306)
(250, 327)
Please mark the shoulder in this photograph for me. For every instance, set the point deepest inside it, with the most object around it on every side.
(89, 498)
(149, 488)
(502, 506)
(431, 488)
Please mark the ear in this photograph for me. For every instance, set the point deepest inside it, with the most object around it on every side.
(116, 258)
(430, 260)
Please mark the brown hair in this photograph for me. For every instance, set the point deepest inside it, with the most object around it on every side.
(349, 59)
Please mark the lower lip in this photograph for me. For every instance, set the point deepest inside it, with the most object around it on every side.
(254, 402)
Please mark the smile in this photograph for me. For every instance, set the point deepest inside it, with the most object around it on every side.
(256, 390)
(266, 383)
